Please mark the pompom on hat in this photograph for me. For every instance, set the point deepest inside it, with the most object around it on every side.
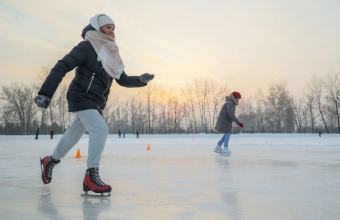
(236, 95)
(100, 20)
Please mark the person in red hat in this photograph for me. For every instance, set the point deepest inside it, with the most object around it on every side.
(225, 120)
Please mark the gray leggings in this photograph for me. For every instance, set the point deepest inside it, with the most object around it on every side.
(87, 120)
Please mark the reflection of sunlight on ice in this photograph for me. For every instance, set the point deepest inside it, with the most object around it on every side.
(93, 206)
(179, 178)
(46, 206)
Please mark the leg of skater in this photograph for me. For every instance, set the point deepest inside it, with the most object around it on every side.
(98, 130)
(67, 141)
(225, 150)
(218, 148)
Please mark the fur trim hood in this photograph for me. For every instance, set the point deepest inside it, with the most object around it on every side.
(232, 98)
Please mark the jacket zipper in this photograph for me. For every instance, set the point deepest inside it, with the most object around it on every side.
(92, 78)
(108, 84)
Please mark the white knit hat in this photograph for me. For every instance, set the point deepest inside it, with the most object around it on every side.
(100, 20)
(104, 19)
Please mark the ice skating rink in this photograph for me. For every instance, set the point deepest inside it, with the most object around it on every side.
(268, 176)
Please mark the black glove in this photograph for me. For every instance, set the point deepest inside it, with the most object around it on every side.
(146, 77)
(42, 101)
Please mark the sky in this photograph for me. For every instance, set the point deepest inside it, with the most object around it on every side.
(246, 44)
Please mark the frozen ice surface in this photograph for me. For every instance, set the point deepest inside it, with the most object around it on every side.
(267, 176)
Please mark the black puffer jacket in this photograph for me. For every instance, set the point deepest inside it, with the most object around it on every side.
(90, 87)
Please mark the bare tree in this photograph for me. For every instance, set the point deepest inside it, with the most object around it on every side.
(162, 101)
(149, 100)
(309, 102)
(45, 70)
(133, 109)
(331, 118)
(7, 114)
(332, 87)
(247, 112)
(61, 107)
(315, 87)
(276, 104)
(289, 117)
(218, 95)
(176, 113)
(298, 113)
(41, 77)
(188, 94)
(141, 114)
(20, 98)
(107, 112)
(116, 115)
(260, 110)
(202, 96)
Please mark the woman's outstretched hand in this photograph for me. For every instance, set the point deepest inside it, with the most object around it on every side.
(42, 101)
(146, 77)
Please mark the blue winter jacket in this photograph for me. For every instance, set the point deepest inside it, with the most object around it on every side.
(90, 87)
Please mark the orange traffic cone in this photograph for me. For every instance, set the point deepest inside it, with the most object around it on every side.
(148, 147)
(78, 154)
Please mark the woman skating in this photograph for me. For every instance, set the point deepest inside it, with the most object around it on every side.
(225, 120)
(97, 62)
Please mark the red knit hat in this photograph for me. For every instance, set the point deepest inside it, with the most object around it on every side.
(237, 95)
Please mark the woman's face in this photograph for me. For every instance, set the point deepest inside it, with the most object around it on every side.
(108, 29)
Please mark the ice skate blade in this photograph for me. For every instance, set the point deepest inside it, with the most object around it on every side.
(41, 167)
(217, 152)
(40, 164)
(96, 195)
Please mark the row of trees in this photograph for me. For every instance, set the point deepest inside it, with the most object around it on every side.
(280, 111)
(193, 109)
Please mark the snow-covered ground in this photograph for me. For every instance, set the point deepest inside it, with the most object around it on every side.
(268, 176)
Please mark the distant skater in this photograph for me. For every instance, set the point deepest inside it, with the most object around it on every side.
(225, 120)
(119, 133)
(137, 133)
(37, 133)
(52, 133)
(97, 63)
(124, 133)
(320, 133)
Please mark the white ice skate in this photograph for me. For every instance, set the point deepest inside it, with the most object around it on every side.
(226, 152)
(218, 149)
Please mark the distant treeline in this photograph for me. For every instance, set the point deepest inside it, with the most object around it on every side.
(194, 109)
